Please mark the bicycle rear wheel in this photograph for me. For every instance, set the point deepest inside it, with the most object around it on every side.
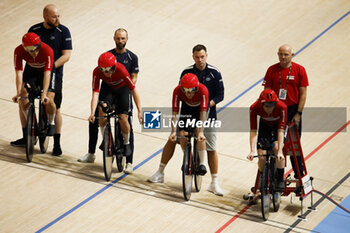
(30, 134)
(187, 174)
(119, 161)
(118, 146)
(276, 200)
(276, 196)
(108, 151)
(43, 127)
(196, 162)
(265, 195)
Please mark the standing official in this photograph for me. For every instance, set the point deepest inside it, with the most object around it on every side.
(130, 61)
(211, 78)
(289, 81)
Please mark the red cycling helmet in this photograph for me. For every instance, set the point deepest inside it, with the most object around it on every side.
(268, 96)
(30, 39)
(107, 62)
(31, 42)
(189, 82)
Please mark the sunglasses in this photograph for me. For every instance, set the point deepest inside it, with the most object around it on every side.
(269, 104)
(189, 90)
(107, 69)
(32, 48)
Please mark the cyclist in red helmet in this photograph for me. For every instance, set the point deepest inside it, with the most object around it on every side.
(115, 88)
(273, 118)
(194, 98)
(39, 71)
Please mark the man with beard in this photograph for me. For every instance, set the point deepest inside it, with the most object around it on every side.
(58, 37)
(130, 61)
(211, 77)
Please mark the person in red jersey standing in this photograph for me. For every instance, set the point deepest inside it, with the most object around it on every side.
(289, 81)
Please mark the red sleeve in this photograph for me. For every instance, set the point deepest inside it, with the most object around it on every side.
(49, 59)
(283, 115)
(268, 78)
(18, 57)
(96, 80)
(204, 97)
(253, 116)
(125, 76)
(176, 99)
(304, 82)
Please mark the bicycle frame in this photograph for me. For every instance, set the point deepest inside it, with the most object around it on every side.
(34, 128)
(190, 166)
(303, 185)
(111, 147)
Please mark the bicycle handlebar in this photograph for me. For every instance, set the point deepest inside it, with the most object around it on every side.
(112, 115)
(270, 155)
(187, 136)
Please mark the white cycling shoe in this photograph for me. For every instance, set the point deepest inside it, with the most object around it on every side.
(157, 177)
(128, 169)
(88, 158)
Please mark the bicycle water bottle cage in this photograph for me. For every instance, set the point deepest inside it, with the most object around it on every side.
(265, 144)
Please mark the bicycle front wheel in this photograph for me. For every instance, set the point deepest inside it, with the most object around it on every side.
(265, 195)
(187, 174)
(30, 133)
(108, 151)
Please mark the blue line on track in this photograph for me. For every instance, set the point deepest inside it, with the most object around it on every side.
(160, 150)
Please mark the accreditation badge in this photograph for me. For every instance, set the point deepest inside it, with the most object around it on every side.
(283, 94)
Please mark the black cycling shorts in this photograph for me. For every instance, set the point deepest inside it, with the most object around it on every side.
(187, 114)
(35, 77)
(267, 133)
(119, 98)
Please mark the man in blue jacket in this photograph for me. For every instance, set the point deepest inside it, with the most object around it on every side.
(210, 76)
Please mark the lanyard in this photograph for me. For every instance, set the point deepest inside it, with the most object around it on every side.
(279, 73)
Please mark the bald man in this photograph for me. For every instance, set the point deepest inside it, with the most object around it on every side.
(58, 37)
(289, 80)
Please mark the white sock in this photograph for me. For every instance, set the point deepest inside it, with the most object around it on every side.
(201, 154)
(51, 118)
(102, 130)
(126, 138)
(161, 167)
(214, 178)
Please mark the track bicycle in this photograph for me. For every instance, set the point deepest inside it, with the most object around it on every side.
(267, 183)
(190, 166)
(111, 148)
(35, 129)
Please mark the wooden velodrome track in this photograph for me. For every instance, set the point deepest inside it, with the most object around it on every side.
(242, 37)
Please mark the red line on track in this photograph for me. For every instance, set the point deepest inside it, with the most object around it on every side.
(306, 158)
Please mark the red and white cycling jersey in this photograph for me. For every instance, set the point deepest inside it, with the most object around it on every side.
(297, 78)
(200, 98)
(278, 117)
(119, 78)
(44, 60)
